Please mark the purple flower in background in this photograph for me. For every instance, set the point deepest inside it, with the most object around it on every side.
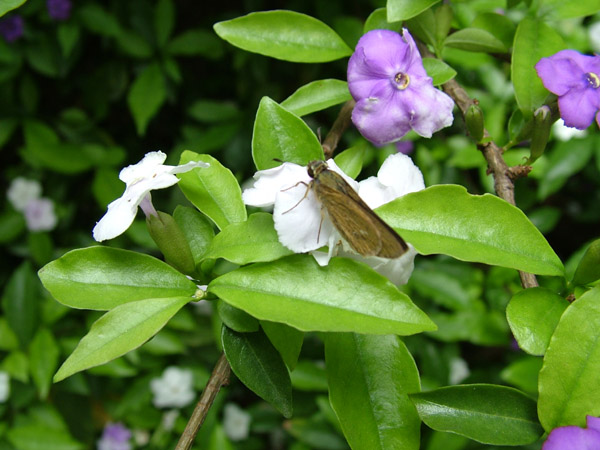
(115, 437)
(59, 9)
(392, 90)
(575, 438)
(575, 79)
(11, 28)
(405, 147)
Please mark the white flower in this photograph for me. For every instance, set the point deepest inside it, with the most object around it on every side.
(21, 191)
(169, 418)
(565, 133)
(4, 386)
(174, 389)
(140, 179)
(459, 370)
(301, 224)
(236, 422)
(39, 215)
(594, 36)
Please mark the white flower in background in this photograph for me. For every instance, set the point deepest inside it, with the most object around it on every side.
(302, 225)
(564, 133)
(594, 36)
(39, 215)
(141, 178)
(236, 422)
(169, 418)
(459, 370)
(174, 389)
(4, 386)
(21, 191)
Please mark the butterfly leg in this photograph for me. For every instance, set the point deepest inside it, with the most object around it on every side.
(308, 185)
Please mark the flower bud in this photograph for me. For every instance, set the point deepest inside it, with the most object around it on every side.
(474, 122)
(542, 122)
(171, 241)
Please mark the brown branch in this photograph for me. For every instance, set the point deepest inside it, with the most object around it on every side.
(339, 126)
(218, 378)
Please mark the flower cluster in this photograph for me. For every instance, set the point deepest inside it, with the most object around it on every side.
(392, 90)
(285, 188)
(25, 197)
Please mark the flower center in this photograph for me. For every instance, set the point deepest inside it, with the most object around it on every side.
(402, 81)
(593, 79)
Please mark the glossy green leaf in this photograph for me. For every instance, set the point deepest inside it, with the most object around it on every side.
(252, 241)
(40, 436)
(196, 42)
(287, 340)
(146, 96)
(259, 366)
(197, 229)
(523, 374)
(103, 277)
(21, 303)
(533, 41)
(495, 415)
(285, 35)
(405, 9)
(370, 378)
(377, 20)
(588, 269)
(310, 376)
(236, 319)
(499, 25)
(43, 360)
(477, 326)
(568, 384)
(424, 27)
(533, 315)
(438, 70)
(213, 190)
(119, 331)
(481, 228)
(351, 159)
(316, 96)
(9, 5)
(279, 134)
(567, 9)
(475, 40)
(295, 290)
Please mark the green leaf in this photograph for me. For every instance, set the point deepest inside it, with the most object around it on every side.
(103, 277)
(134, 45)
(196, 43)
(567, 9)
(8, 338)
(211, 111)
(310, 376)
(588, 269)
(285, 35)
(146, 96)
(164, 21)
(481, 228)
(351, 159)
(475, 40)
(213, 190)
(119, 331)
(9, 5)
(295, 290)
(21, 303)
(287, 340)
(568, 384)
(197, 229)
(495, 415)
(236, 319)
(499, 25)
(405, 9)
(438, 70)
(369, 379)
(259, 366)
(533, 41)
(279, 134)
(523, 374)
(12, 224)
(43, 360)
(97, 20)
(377, 20)
(316, 96)
(39, 436)
(252, 241)
(533, 315)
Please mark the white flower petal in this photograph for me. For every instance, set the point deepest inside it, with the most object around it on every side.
(270, 181)
(174, 389)
(4, 386)
(21, 191)
(397, 270)
(140, 170)
(236, 422)
(39, 215)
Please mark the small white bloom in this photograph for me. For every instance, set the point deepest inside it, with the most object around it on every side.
(140, 179)
(21, 191)
(594, 36)
(303, 226)
(236, 422)
(169, 418)
(459, 370)
(174, 389)
(39, 215)
(141, 437)
(565, 133)
(4, 386)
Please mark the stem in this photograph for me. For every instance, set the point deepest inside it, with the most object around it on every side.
(339, 126)
(218, 378)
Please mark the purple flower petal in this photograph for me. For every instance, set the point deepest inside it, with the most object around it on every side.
(572, 438)
(577, 108)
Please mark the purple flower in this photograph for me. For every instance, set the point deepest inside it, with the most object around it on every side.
(11, 28)
(392, 90)
(115, 437)
(59, 9)
(405, 147)
(575, 79)
(575, 438)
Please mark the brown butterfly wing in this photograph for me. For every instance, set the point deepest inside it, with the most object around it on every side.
(358, 224)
